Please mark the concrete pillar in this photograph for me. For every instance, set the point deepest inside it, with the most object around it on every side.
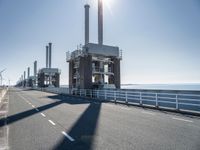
(117, 77)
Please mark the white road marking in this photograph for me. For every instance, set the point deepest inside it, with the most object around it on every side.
(43, 114)
(52, 122)
(149, 113)
(125, 108)
(3, 112)
(33, 106)
(181, 119)
(67, 136)
(37, 109)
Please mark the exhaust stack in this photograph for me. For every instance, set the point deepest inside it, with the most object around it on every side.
(35, 69)
(87, 20)
(47, 57)
(50, 46)
(100, 22)
(28, 74)
(24, 75)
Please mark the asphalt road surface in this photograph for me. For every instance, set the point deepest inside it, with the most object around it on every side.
(34, 120)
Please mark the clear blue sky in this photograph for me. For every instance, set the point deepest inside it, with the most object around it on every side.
(160, 39)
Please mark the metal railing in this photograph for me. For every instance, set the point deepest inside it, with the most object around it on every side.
(3, 92)
(173, 100)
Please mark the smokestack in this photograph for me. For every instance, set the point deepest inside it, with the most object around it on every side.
(24, 75)
(35, 69)
(87, 20)
(47, 57)
(100, 22)
(28, 74)
(50, 46)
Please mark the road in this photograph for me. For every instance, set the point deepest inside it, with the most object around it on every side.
(39, 120)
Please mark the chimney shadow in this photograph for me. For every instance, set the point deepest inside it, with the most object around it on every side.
(83, 130)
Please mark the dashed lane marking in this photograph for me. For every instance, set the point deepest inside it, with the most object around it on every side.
(43, 114)
(149, 113)
(67, 136)
(181, 119)
(52, 122)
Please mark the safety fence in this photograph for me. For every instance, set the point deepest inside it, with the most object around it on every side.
(3, 91)
(175, 100)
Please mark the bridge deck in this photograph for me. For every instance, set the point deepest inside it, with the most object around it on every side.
(39, 120)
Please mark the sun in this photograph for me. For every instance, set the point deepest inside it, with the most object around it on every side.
(108, 4)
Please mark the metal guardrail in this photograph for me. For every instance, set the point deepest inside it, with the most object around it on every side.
(159, 99)
(3, 92)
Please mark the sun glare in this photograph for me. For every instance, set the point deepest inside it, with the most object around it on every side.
(108, 4)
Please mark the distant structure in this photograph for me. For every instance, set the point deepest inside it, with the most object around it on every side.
(32, 80)
(94, 66)
(45, 77)
(48, 77)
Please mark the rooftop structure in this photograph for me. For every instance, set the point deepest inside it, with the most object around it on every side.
(94, 66)
(48, 77)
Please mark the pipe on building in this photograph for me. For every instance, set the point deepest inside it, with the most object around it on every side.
(100, 22)
(87, 20)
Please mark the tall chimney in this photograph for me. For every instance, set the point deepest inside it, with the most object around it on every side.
(24, 75)
(28, 74)
(87, 20)
(50, 46)
(35, 69)
(100, 22)
(47, 57)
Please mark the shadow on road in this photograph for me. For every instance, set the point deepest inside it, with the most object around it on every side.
(83, 130)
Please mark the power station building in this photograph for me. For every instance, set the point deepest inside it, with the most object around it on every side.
(48, 77)
(94, 66)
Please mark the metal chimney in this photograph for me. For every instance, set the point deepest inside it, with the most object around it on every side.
(35, 69)
(50, 46)
(100, 22)
(28, 70)
(87, 20)
(47, 57)
(24, 75)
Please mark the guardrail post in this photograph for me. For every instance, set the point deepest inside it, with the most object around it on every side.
(91, 93)
(105, 94)
(80, 92)
(97, 93)
(126, 98)
(85, 93)
(177, 108)
(157, 100)
(115, 96)
(140, 98)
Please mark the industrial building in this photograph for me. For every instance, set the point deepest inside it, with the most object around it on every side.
(48, 77)
(30, 81)
(94, 66)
